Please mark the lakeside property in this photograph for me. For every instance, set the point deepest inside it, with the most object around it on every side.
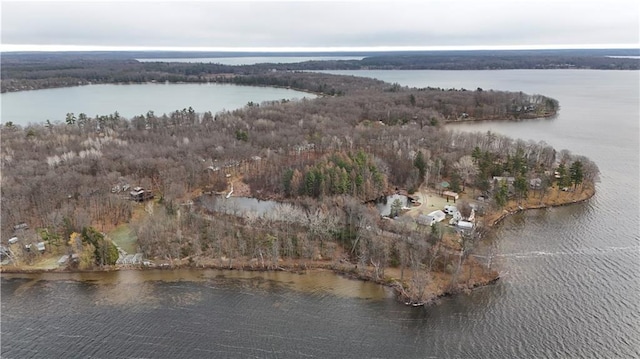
(324, 160)
(561, 266)
(409, 284)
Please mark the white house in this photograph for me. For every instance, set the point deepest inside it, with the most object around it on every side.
(431, 218)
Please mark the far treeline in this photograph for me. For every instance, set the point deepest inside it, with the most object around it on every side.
(325, 159)
(28, 71)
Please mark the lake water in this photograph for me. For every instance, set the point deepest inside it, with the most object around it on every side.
(251, 60)
(131, 100)
(570, 285)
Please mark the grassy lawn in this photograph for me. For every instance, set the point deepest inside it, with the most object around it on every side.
(123, 237)
(47, 262)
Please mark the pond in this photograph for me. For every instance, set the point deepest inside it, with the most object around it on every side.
(237, 206)
(384, 204)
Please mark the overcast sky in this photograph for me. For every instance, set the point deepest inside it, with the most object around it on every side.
(321, 24)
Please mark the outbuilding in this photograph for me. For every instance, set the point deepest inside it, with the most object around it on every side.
(465, 225)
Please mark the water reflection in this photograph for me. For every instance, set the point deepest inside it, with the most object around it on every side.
(237, 206)
(137, 285)
(384, 204)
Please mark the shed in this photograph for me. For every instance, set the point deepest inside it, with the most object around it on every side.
(465, 225)
(450, 194)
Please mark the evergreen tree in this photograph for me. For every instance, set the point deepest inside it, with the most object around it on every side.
(564, 179)
(502, 194)
(421, 165)
(106, 253)
(576, 173)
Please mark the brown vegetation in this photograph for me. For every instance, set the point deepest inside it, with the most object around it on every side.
(324, 158)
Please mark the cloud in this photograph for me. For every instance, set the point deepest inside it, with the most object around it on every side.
(318, 24)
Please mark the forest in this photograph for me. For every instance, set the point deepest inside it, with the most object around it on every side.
(324, 160)
(28, 71)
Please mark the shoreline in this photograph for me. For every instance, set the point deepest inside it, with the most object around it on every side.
(346, 269)
(399, 286)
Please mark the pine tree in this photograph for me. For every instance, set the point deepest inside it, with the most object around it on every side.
(576, 173)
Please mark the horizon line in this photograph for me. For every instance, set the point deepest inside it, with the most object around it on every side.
(87, 48)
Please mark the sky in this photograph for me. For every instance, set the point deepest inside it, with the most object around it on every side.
(318, 25)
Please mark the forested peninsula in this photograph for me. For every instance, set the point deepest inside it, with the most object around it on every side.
(324, 162)
(30, 71)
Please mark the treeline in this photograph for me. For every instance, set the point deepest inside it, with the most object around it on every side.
(37, 71)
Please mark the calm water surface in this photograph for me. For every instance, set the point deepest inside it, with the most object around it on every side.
(131, 100)
(251, 60)
(570, 286)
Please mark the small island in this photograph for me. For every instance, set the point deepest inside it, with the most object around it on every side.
(365, 180)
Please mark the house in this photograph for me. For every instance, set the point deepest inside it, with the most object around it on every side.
(431, 218)
(130, 259)
(139, 194)
(13, 240)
